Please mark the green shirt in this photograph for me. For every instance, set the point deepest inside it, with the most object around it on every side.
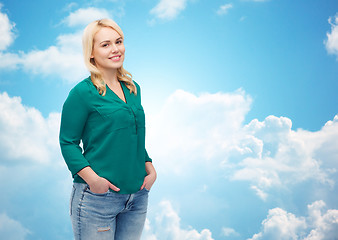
(112, 133)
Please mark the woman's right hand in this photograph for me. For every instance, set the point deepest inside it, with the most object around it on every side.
(102, 185)
(96, 183)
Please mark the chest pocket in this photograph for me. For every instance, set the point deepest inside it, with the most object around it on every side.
(115, 117)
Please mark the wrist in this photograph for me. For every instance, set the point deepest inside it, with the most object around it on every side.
(92, 180)
(89, 176)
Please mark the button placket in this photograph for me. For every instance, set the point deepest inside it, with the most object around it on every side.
(134, 117)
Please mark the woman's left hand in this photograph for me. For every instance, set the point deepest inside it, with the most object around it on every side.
(150, 178)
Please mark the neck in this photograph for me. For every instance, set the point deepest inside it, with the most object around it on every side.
(109, 77)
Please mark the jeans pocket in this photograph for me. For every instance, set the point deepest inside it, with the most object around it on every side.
(87, 189)
(71, 201)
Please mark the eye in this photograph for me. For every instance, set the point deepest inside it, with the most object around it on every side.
(119, 41)
(105, 45)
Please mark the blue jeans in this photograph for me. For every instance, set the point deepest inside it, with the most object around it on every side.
(107, 216)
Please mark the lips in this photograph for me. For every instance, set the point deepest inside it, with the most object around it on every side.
(115, 58)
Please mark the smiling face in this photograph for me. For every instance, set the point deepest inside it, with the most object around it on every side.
(108, 49)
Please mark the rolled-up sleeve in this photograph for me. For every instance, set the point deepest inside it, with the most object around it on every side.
(148, 159)
(73, 119)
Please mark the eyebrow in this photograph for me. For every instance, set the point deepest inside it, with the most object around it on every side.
(105, 41)
(120, 38)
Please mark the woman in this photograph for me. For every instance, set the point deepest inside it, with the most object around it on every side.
(112, 171)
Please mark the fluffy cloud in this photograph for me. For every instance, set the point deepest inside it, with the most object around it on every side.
(224, 9)
(31, 164)
(331, 43)
(11, 229)
(194, 130)
(25, 135)
(9, 61)
(64, 59)
(229, 232)
(281, 225)
(324, 226)
(275, 155)
(168, 9)
(6, 31)
(83, 16)
(167, 224)
(203, 137)
(267, 154)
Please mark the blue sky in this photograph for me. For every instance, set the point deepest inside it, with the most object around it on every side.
(241, 105)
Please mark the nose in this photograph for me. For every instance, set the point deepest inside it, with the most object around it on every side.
(114, 48)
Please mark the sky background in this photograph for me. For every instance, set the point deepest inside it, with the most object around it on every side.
(241, 109)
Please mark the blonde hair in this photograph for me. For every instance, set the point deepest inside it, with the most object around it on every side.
(87, 45)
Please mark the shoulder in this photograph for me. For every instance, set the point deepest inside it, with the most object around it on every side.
(81, 91)
(84, 87)
(138, 88)
(136, 84)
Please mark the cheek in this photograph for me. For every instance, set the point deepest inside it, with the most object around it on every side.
(96, 53)
(122, 49)
(99, 57)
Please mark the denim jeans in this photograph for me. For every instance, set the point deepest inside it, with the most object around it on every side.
(107, 216)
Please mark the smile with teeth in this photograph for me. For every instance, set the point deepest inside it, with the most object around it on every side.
(115, 58)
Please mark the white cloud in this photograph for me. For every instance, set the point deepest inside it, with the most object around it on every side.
(84, 16)
(259, 192)
(11, 229)
(274, 155)
(25, 135)
(331, 43)
(224, 9)
(324, 226)
(281, 225)
(198, 129)
(227, 232)
(167, 223)
(63, 60)
(30, 161)
(207, 132)
(70, 6)
(168, 9)
(202, 137)
(6, 31)
(9, 61)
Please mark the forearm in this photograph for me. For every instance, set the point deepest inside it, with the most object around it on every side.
(150, 168)
(88, 175)
(151, 176)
